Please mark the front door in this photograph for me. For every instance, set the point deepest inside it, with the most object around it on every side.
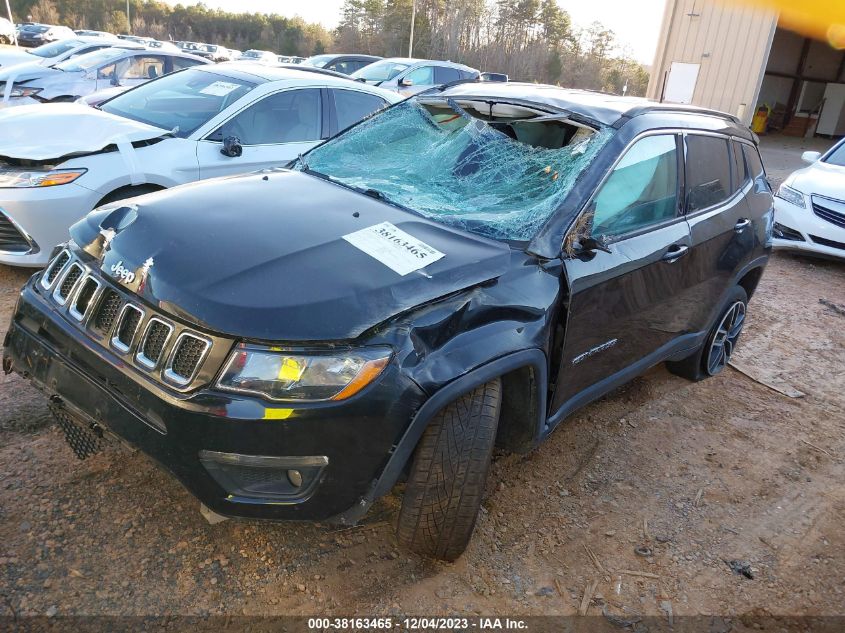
(624, 305)
(273, 131)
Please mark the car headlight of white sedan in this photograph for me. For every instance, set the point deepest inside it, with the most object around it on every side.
(792, 196)
(16, 178)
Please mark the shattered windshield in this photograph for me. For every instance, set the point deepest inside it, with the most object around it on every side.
(502, 177)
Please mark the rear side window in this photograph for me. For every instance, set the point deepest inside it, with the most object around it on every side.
(752, 157)
(741, 176)
(180, 63)
(352, 106)
(445, 75)
(641, 190)
(708, 171)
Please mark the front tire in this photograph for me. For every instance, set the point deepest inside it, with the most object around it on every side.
(448, 474)
(712, 357)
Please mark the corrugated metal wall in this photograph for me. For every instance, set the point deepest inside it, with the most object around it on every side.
(730, 42)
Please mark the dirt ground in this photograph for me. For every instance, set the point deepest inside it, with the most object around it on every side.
(663, 476)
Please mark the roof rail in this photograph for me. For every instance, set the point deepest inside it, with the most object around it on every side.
(669, 107)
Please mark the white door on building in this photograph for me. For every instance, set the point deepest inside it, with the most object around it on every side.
(832, 117)
(680, 84)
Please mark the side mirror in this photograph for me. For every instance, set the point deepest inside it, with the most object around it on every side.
(407, 83)
(811, 157)
(232, 147)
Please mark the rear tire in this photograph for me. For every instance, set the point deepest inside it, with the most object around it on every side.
(448, 474)
(716, 351)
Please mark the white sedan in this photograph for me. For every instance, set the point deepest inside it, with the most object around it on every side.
(60, 161)
(810, 206)
(55, 52)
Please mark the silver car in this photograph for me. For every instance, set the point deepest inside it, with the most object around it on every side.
(55, 52)
(408, 76)
(83, 75)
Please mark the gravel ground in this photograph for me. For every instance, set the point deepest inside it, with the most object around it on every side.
(692, 475)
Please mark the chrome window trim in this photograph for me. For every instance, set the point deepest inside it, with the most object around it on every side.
(76, 314)
(51, 266)
(115, 341)
(140, 357)
(174, 379)
(61, 279)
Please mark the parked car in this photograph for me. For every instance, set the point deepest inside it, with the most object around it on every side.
(810, 206)
(189, 47)
(80, 76)
(137, 39)
(89, 33)
(242, 117)
(263, 57)
(346, 64)
(493, 77)
(38, 34)
(7, 32)
(55, 52)
(410, 76)
(215, 53)
(484, 276)
(164, 46)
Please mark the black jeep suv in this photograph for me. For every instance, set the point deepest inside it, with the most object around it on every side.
(459, 271)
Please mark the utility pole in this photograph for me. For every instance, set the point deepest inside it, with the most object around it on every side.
(14, 30)
(413, 19)
(128, 20)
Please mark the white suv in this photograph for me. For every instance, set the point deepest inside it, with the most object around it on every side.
(59, 162)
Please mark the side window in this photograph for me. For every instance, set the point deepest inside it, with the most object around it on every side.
(423, 76)
(444, 75)
(344, 67)
(352, 106)
(740, 170)
(141, 67)
(708, 171)
(285, 117)
(752, 157)
(180, 63)
(641, 190)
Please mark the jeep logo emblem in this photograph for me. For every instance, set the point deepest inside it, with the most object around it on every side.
(122, 273)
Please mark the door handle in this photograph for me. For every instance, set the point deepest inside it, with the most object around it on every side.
(741, 224)
(675, 252)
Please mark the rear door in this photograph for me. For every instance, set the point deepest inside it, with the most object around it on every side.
(273, 131)
(624, 307)
(722, 233)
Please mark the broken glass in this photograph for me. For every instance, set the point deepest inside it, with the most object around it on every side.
(501, 178)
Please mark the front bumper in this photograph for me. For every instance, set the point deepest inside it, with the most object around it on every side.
(186, 432)
(43, 215)
(806, 232)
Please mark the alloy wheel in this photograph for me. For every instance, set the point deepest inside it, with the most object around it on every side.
(724, 340)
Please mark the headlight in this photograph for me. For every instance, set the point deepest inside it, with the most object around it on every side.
(279, 375)
(792, 196)
(23, 91)
(18, 178)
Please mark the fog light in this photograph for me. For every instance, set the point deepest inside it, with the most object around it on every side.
(286, 478)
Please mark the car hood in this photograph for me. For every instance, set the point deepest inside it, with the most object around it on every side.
(820, 179)
(27, 72)
(263, 257)
(56, 131)
(13, 57)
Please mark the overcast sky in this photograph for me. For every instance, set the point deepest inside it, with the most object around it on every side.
(636, 23)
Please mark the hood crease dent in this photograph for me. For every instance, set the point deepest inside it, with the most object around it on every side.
(26, 128)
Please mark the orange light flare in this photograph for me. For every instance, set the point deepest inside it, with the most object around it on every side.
(819, 19)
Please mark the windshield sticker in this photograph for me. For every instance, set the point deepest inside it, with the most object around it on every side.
(394, 248)
(219, 88)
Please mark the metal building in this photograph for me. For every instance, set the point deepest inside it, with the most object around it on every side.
(736, 58)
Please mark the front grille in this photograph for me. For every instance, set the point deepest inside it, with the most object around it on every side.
(110, 317)
(826, 242)
(127, 327)
(107, 311)
(87, 291)
(153, 343)
(187, 356)
(62, 292)
(829, 214)
(11, 239)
